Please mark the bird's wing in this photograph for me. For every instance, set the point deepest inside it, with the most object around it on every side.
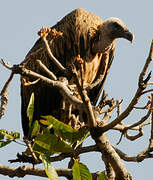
(78, 27)
(98, 84)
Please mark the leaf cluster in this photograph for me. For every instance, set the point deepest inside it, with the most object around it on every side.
(7, 137)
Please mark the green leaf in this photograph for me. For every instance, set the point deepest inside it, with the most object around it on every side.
(9, 135)
(81, 172)
(50, 144)
(102, 176)
(60, 129)
(6, 137)
(4, 143)
(35, 129)
(3, 132)
(12, 136)
(65, 132)
(49, 169)
(1, 136)
(30, 109)
(79, 136)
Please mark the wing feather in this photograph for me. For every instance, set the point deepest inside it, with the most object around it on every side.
(100, 79)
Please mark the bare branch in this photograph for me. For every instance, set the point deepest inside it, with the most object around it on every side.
(111, 108)
(151, 135)
(56, 62)
(7, 65)
(144, 107)
(110, 154)
(118, 103)
(5, 88)
(127, 111)
(150, 83)
(29, 83)
(78, 151)
(148, 61)
(31, 150)
(27, 159)
(18, 69)
(4, 101)
(132, 138)
(139, 122)
(142, 85)
(140, 157)
(147, 91)
(43, 33)
(86, 101)
(46, 70)
(4, 95)
(27, 170)
(122, 127)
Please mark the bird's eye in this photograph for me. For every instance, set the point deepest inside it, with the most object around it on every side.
(116, 25)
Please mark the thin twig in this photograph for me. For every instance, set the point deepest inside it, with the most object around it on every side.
(140, 157)
(27, 159)
(120, 139)
(132, 138)
(31, 150)
(110, 108)
(43, 33)
(7, 65)
(135, 107)
(122, 127)
(148, 61)
(56, 62)
(150, 83)
(78, 151)
(118, 103)
(151, 134)
(29, 83)
(139, 122)
(5, 88)
(147, 91)
(19, 143)
(142, 85)
(46, 70)
(65, 91)
(86, 100)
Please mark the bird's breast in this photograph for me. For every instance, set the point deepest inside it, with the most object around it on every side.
(90, 69)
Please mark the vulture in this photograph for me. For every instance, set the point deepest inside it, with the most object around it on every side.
(83, 34)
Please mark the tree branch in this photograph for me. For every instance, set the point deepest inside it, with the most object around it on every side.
(148, 61)
(43, 33)
(86, 101)
(46, 70)
(109, 154)
(18, 69)
(27, 170)
(4, 95)
(151, 134)
(142, 85)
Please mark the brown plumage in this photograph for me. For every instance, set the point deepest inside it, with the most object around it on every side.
(85, 34)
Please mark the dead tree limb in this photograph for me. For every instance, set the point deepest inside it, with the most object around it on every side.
(142, 86)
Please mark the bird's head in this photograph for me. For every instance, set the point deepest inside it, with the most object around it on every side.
(108, 32)
(115, 28)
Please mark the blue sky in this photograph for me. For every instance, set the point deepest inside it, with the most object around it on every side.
(19, 24)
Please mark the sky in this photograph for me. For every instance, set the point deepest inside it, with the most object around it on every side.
(19, 23)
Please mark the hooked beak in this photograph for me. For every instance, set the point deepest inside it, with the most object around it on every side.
(129, 36)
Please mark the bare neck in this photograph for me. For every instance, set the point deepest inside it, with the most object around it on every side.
(104, 42)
